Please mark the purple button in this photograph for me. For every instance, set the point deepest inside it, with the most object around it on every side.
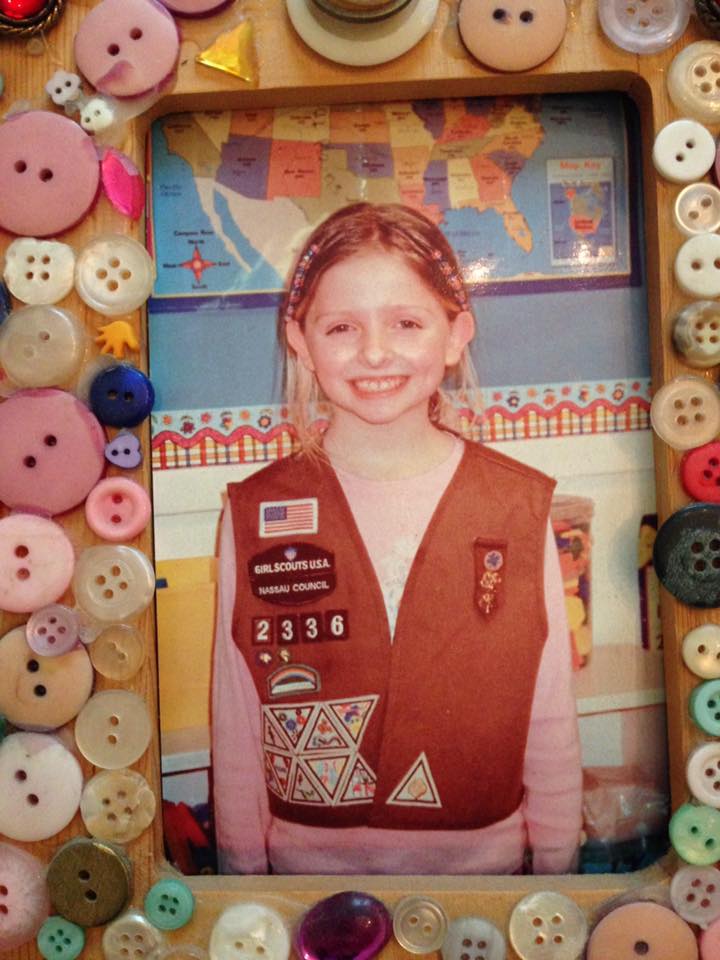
(53, 630)
(348, 925)
(36, 562)
(49, 171)
(124, 451)
(24, 900)
(195, 8)
(52, 451)
(127, 47)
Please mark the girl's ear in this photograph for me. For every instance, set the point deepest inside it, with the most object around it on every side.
(296, 339)
(462, 330)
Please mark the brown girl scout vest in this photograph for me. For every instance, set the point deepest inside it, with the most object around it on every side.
(426, 732)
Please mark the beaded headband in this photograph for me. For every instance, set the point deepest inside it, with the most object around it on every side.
(450, 275)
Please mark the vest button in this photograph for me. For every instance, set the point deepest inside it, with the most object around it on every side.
(642, 930)
(547, 924)
(419, 924)
(348, 924)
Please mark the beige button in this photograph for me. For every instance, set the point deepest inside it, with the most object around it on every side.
(113, 729)
(132, 937)
(117, 805)
(90, 881)
(548, 926)
(685, 412)
(642, 930)
(41, 692)
(512, 34)
(118, 652)
(696, 333)
(697, 209)
(697, 266)
(419, 924)
(113, 582)
(701, 651)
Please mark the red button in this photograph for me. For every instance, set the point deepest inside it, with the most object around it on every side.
(700, 473)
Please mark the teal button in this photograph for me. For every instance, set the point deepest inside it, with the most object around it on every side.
(705, 707)
(695, 834)
(169, 904)
(59, 939)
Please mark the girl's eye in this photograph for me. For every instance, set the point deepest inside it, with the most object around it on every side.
(338, 328)
(409, 323)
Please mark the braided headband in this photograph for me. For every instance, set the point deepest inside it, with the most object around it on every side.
(450, 275)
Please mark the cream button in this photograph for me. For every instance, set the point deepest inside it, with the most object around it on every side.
(247, 931)
(685, 412)
(132, 936)
(471, 937)
(117, 805)
(53, 630)
(117, 509)
(39, 271)
(114, 274)
(697, 209)
(703, 774)
(512, 35)
(113, 729)
(684, 151)
(118, 652)
(547, 926)
(41, 692)
(40, 786)
(693, 81)
(90, 881)
(36, 562)
(697, 266)
(642, 929)
(41, 346)
(695, 894)
(113, 582)
(419, 924)
(24, 901)
(696, 333)
(701, 651)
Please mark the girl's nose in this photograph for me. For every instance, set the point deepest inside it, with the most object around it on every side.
(375, 347)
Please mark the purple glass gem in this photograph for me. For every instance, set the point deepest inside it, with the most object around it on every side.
(124, 451)
(346, 926)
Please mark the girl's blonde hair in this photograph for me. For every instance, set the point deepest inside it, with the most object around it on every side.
(354, 229)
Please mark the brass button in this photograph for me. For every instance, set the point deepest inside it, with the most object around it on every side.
(89, 881)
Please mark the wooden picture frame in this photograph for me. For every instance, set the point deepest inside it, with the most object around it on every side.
(438, 67)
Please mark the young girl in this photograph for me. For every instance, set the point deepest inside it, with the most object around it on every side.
(392, 687)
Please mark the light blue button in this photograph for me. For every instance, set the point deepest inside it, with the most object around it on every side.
(59, 939)
(695, 834)
(705, 707)
(169, 904)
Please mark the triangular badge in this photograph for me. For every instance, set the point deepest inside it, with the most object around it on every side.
(273, 734)
(277, 771)
(417, 788)
(354, 714)
(360, 787)
(291, 720)
(328, 771)
(323, 734)
(304, 790)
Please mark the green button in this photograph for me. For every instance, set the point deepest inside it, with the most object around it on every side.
(59, 939)
(695, 834)
(705, 707)
(169, 904)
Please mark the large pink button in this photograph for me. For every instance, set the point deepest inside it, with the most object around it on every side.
(53, 451)
(642, 929)
(117, 509)
(36, 562)
(49, 171)
(24, 900)
(127, 47)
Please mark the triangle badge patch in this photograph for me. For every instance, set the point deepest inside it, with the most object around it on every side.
(360, 786)
(417, 788)
(354, 714)
(291, 720)
(273, 735)
(328, 771)
(303, 790)
(277, 772)
(323, 734)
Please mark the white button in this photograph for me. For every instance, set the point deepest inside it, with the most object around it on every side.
(114, 274)
(117, 805)
(118, 652)
(40, 786)
(684, 151)
(248, 931)
(695, 894)
(696, 333)
(63, 87)
(693, 81)
(39, 271)
(471, 937)
(701, 651)
(703, 774)
(697, 209)
(132, 937)
(548, 926)
(685, 412)
(697, 266)
(41, 346)
(643, 26)
(113, 582)
(97, 115)
(113, 729)
(419, 924)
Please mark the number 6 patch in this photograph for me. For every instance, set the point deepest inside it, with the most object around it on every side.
(337, 625)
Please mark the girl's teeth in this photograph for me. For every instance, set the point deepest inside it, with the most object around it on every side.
(378, 385)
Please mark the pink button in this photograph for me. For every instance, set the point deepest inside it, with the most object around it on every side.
(53, 451)
(53, 630)
(195, 8)
(127, 47)
(24, 900)
(36, 562)
(49, 171)
(642, 929)
(117, 509)
(710, 942)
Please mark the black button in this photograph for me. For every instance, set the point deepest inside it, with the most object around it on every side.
(686, 555)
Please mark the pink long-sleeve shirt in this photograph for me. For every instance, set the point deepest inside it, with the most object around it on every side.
(392, 517)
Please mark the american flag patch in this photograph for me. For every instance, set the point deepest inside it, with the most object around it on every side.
(282, 518)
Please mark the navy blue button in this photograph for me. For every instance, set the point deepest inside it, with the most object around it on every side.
(5, 302)
(121, 396)
(686, 555)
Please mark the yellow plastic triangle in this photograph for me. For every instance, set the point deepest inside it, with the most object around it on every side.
(233, 52)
